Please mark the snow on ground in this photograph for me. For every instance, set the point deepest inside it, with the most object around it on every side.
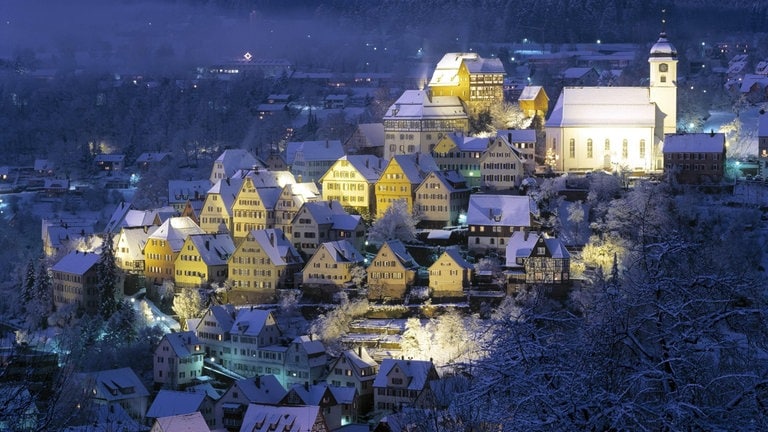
(745, 142)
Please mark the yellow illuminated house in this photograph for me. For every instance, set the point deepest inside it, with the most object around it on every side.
(351, 182)
(479, 82)
(418, 120)
(216, 214)
(203, 260)
(164, 245)
(450, 275)
(254, 207)
(401, 177)
(291, 198)
(391, 272)
(264, 261)
(330, 264)
(533, 101)
(461, 153)
(501, 166)
(129, 248)
(617, 128)
(440, 198)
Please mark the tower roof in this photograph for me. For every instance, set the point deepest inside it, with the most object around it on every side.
(663, 48)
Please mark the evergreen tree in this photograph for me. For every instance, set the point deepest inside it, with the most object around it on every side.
(41, 304)
(107, 275)
(28, 286)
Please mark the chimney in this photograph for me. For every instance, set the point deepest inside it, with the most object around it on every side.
(207, 245)
(257, 381)
(306, 386)
(509, 137)
(711, 132)
(359, 350)
(417, 158)
(366, 163)
(272, 238)
(327, 144)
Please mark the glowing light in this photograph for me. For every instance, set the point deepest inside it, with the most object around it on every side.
(247, 56)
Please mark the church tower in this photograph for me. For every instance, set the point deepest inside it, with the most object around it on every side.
(663, 82)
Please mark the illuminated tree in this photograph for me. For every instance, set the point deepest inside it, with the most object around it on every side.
(397, 223)
(188, 304)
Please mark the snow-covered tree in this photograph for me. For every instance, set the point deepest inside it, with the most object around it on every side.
(397, 223)
(107, 276)
(188, 304)
(331, 326)
(27, 285)
(41, 304)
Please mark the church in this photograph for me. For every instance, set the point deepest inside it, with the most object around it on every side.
(617, 128)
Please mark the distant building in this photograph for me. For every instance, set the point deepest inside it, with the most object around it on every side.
(110, 162)
(400, 383)
(450, 275)
(178, 360)
(117, 389)
(391, 272)
(75, 281)
(697, 158)
(152, 160)
(368, 138)
(351, 181)
(309, 160)
(493, 218)
(536, 258)
(231, 161)
(479, 82)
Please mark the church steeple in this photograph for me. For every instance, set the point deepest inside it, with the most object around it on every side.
(662, 60)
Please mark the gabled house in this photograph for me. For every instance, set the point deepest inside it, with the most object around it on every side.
(230, 161)
(265, 418)
(450, 275)
(129, 248)
(320, 221)
(125, 216)
(65, 234)
(697, 158)
(109, 162)
(440, 198)
(214, 331)
(263, 262)
(75, 281)
(255, 341)
(478, 81)
(338, 404)
(351, 181)
(216, 212)
(152, 160)
(44, 167)
(580, 76)
(292, 197)
(164, 245)
(400, 383)
(330, 265)
(305, 361)
(117, 388)
(231, 407)
(203, 260)
(391, 271)
(401, 177)
(524, 140)
(501, 166)
(178, 360)
(182, 192)
(542, 259)
(461, 153)
(493, 218)
(168, 403)
(533, 101)
(254, 208)
(368, 139)
(309, 160)
(355, 368)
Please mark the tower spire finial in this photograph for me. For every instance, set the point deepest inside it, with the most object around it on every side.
(664, 22)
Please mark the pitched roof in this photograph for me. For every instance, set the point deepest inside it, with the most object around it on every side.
(398, 248)
(342, 251)
(264, 418)
(603, 106)
(359, 361)
(76, 263)
(183, 190)
(517, 135)
(530, 92)
(116, 384)
(277, 246)
(455, 255)
(417, 371)
(227, 189)
(415, 166)
(447, 69)
(237, 159)
(323, 212)
(369, 166)
(175, 231)
(251, 322)
(135, 238)
(417, 104)
(314, 150)
(373, 132)
(694, 143)
(181, 341)
(170, 403)
(188, 422)
(263, 389)
(503, 210)
(214, 249)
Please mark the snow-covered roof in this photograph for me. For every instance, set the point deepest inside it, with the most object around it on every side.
(265, 389)
(398, 248)
(663, 48)
(530, 92)
(603, 106)
(415, 166)
(502, 210)
(188, 422)
(455, 255)
(77, 263)
(359, 360)
(175, 231)
(576, 72)
(322, 212)
(148, 157)
(116, 384)
(227, 189)
(265, 418)
(251, 322)
(310, 345)
(109, 158)
(181, 341)
(342, 251)
(369, 166)
(520, 245)
(417, 371)
(373, 132)
(452, 181)
(468, 143)
(556, 247)
(418, 105)
(134, 239)
(170, 403)
(694, 143)
(313, 150)
(447, 69)
(214, 249)
(517, 135)
(44, 165)
(183, 190)
(751, 80)
(236, 159)
(277, 246)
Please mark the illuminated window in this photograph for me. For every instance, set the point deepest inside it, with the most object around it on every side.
(572, 148)
(589, 148)
(607, 145)
(642, 148)
(624, 149)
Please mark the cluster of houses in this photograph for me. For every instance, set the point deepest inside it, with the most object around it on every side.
(271, 382)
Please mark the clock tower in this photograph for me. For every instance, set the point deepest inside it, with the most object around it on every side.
(663, 81)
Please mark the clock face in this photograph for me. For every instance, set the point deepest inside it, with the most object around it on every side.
(663, 67)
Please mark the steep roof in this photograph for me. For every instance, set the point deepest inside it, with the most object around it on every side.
(455, 255)
(227, 189)
(415, 166)
(237, 159)
(264, 389)
(417, 104)
(417, 371)
(604, 107)
(170, 403)
(447, 69)
(76, 262)
(502, 210)
(183, 190)
(214, 249)
(277, 246)
(517, 135)
(369, 166)
(187, 422)
(314, 150)
(342, 251)
(175, 231)
(373, 132)
(530, 92)
(116, 384)
(181, 341)
(251, 322)
(264, 418)
(135, 238)
(398, 248)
